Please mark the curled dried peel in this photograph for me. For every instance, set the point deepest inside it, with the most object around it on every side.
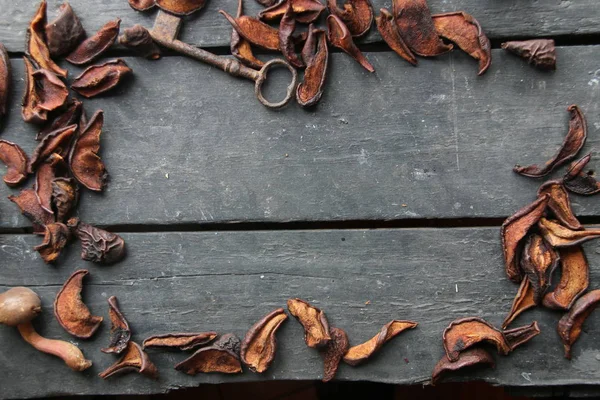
(314, 321)
(56, 237)
(181, 341)
(334, 352)
(316, 57)
(306, 11)
(287, 44)
(94, 46)
(53, 167)
(58, 142)
(134, 360)
(36, 42)
(576, 181)
(120, 332)
(70, 311)
(87, 167)
(574, 279)
(51, 91)
(30, 207)
(65, 194)
(469, 358)
(255, 31)
(259, 344)
(138, 39)
(240, 48)
(181, 7)
(560, 204)
(360, 353)
(523, 301)
(560, 236)
(340, 37)
(69, 117)
(356, 14)
(386, 25)
(15, 160)
(541, 53)
(569, 326)
(65, 32)
(222, 356)
(5, 80)
(538, 261)
(99, 79)
(521, 335)
(30, 111)
(97, 245)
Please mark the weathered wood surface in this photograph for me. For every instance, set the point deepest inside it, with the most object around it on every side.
(500, 19)
(185, 143)
(226, 281)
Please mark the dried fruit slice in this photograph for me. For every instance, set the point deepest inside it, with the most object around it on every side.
(521, 335)
(258, 347)
(69, 117)
(386, 25)
(65, 32)
(56, 237)
(36, 43)
(57, 142)
(53, 167)
(538, 261)
(120, 332)
(560, 204)
(315, 55)
(316, 327)
(181, 7)
(360, 353)
(30, 111)
(306, 11)
(240, 48)
(65, 194)
(87, 167)
(340, 37)
(523, 301)
(356, 14)
(138, 39)
(538, 52)
(94, 46)
(266, 3)
(560, 236)
(569, 326)
(180, 341)
(255, 31)
(99, 79)
(134, 360)
(30, 207)
(287, 44)
(574, 279)
(576, 181)
(334, 352)
(222, 356)
(97, 245)
(15, 160)
(469, 358)
(5, 80)
(51, 91)
(141, 5)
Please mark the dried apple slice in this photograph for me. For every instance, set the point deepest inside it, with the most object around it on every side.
(259, 344)
(569, 326)
(314, 321)
(134, 360)
(56, 237)
(87, 167)
(15, 160)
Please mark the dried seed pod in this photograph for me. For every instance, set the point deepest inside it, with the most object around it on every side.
(538, 52)
(560, 204)
(573, 142)
(134, 360)
(70, 311)
(99, 79)
(180, 341)
(356, 14)
(56, 237)
(573, 281)
(340, 37)
(120, 333)
(514, 229)
(521, 335)
(30, 111)
(87, 167)
(57, 142)
(5, 80)
(314, 321)
(53, 167)
(65, 32)
(97, 245)
(16, 162)
(538, 261)
(523, 301)
(576, 181)
(569, 326)
(259, 344)
(306, 11)
(51, 91)
(559, 236)
(94, 46)
(464, 30)
(287, 45)
(240, 48)
(334, 352)
(65, 194)
(180, 7)
(30, 207)
(315, 55)
(469, 358)
(36, 43)
(417, 29)
(222, 356)
(69, 117)
(360, 353)
(138, 38)
(141, 5)
(255, 31)
(386, 25)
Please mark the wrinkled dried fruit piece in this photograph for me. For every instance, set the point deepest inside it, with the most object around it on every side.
(521, 335)
(386, 25)
(15, 160)
(417, 29)
(51, 91)
(65, 32)
(560, 204)
(334, 352)
(99, 79)
(259, 344)
(69, 117)
(469, 358)
(573, 142)
(5, 80)
(56, 237)
(181, 341)
(287, 45)
(306, 11)
(538, 261)
(559, 236)
(464, 30)
(87, 167)
(30, 207)
(255, 31)
(141, 5)
(266, 3)
(315, 55)
(57, 142)
(134, 360)
(576, 181)
(523, 301)
(138, 39)
(97, 245)
(120, 333)
(514, 229)
(240, 48)
(538, 52)
(180, 7)
(360, 353)
(36, 42)
(574, 279)
(222, 356)
(53, 167)
(65, 194)
(340, 37)
(316, 327)
(356, 14)
(70, 311)
(569, 326)
(94, 46)
(30, 111)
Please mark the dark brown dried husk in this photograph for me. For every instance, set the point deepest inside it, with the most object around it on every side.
(180, 341)
(306, 11)
(473, 357)
(222, 356)
(523, 301)
(538, 52)
(574, 279)
(51, 91)
(340, 37)
(315, 55)
(65, 194)
(356, 14)
(560, 204)
(5, 80)
(53, 167)
(30, 207)
(559, 236)
(256, 32)
(314, 321)
(259, 344)
(120, 332)
(569, 326)
(141, 5)
(29, 103)
(97, 245)
(36, 43)
(87, 167)
(58, 142)
(134, 360)
(65, 32)
(578, 182)
(16, 162)
(287, 45)
(65, 118)
(181, 7)
(56, 237)
(94, 46)
(334, 352)
(99, 79)
(538, 261)
(138, 39)
(70, 311)
(386, 25)
(240, 47)
(571, 145)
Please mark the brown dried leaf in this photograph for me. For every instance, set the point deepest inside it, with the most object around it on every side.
(138, 38)
(58, 142)
(222, 356)
(93, 47)
(69, 117)
(560, 204)
(360, 353)
(56, 237)
(306, 11)
(65, 32)
(65, 194)
(469, 358)
(120, 333)
(315, 55)
(314, 321)
(180, 341)
(181, 7)
(259, 344)
(97, 245)
(99, 79)
(576, 181)
(523, 301)
(16, 162)
(560, 236)
(569, 326)
(36, 43)
(141, 5)
(30, 111)
(538, 52)
(574, 279)
(386, 25)
(30, 207)
(53, 167)
(287, 44)
(134, 360)
(5, 80)
(255, 31)
(334, 352)
(70, 311)
(356, 14)
(538, 261)
(87, 167)
(340, 37)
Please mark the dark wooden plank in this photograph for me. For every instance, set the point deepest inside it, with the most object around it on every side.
(185, 143)
(225, 281)
(531, 18)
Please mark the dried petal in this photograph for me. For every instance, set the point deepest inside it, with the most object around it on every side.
(316, 327)
(181, 341)
(56, 237)
(518, 336)
(258, 347)
(573, 142)
(306, 11)
(181, 7)
(255, 31)
(560, 204)
(70, 311)
(576, 181)
(69, 117)
(569, 326)
(5, 80)
(57, 142)
(120, 333)
(141, 5)
(15, 160)
(538, 52)
(51, 91)
(360, 353)
(287, 45)
(87, 167)
(464, 30)
(65, 32)
(30, 207)
(99, 79)
(97, 245)
(334, 352)
(573, 281)
(138, 39)
(340, 37)
(30, 111)
(53, 167)
(65, 194)
(356, 14)
(94, 46)
(523, 301)
(538, 261)
(514, 229)
(469, 358)
(417, 29)
(222, 356)
(36, 43)
(559, 236)
(386, 25)
(315, 55)
(134, 360)
(240, 47)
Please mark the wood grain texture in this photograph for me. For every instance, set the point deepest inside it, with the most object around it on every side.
(226, 281)
(186, 143)
(500, 19)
